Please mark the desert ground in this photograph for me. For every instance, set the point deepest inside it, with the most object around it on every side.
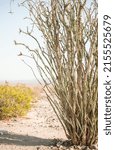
(38, 130)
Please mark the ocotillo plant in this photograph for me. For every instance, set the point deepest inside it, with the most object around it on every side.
(68, 62)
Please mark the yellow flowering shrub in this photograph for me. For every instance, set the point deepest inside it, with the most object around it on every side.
(15, 100)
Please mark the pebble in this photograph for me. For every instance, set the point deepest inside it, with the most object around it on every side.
(1, 133)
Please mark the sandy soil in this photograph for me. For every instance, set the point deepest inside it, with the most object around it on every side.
(40, 128)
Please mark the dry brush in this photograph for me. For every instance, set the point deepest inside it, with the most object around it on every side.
(68, 62)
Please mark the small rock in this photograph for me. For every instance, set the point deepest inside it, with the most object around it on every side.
(71, 148)
(1, 133)
(59, 144)
(15, 119)
(61, 147)
(78, 147)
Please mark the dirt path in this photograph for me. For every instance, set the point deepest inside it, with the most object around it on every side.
(39, 128)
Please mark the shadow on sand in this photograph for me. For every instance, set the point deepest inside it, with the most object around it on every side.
(24, 140)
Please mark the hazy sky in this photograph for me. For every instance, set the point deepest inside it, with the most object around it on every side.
(11, 66)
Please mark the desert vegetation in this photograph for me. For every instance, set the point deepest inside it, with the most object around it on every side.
(68, 62)
(15, 100)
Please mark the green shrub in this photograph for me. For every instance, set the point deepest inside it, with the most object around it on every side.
(14, 100)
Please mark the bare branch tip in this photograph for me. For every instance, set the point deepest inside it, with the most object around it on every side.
(20, 54)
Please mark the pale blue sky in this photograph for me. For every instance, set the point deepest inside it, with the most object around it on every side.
(11, 67)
